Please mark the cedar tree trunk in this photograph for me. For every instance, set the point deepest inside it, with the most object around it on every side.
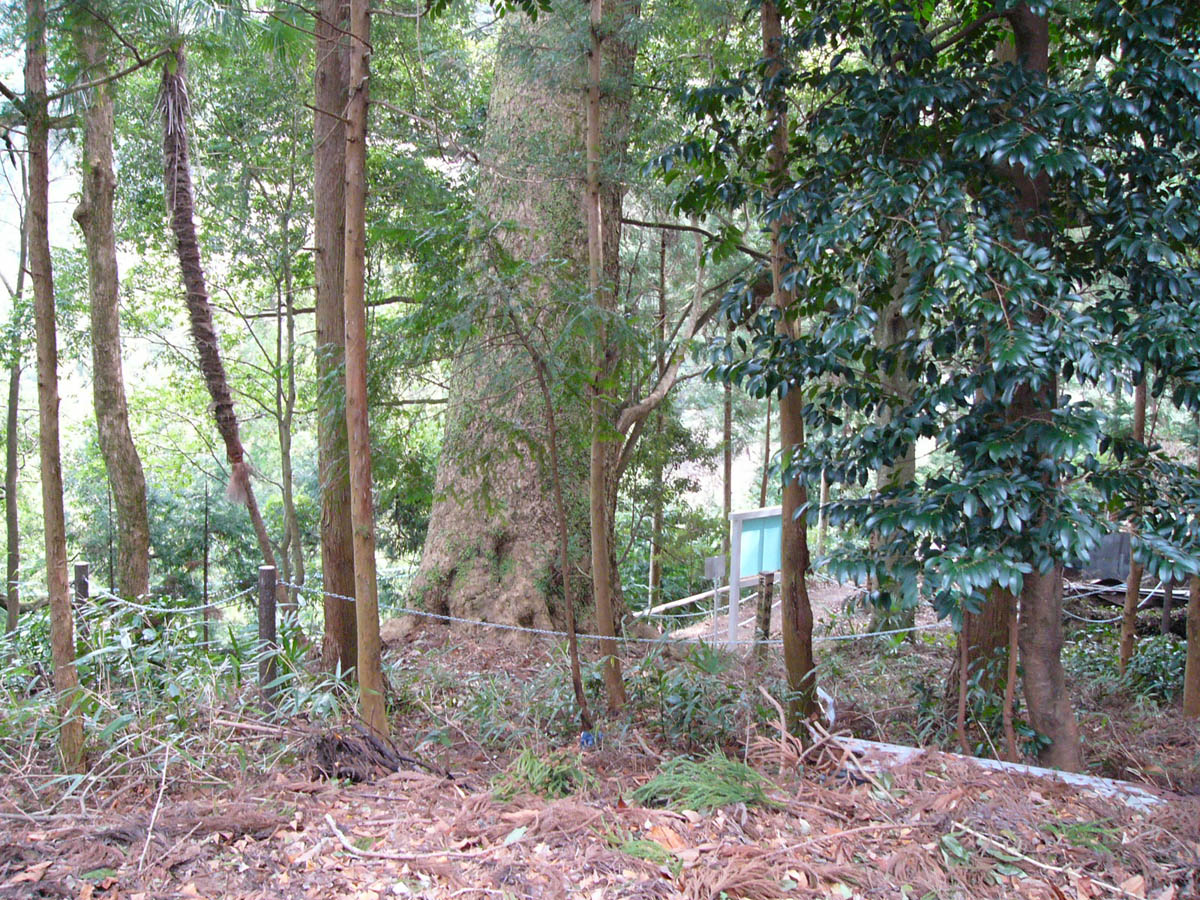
(340, 646)
(490, 552)
(371, 705)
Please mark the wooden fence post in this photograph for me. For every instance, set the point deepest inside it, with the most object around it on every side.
(766, 584)
(267, 644)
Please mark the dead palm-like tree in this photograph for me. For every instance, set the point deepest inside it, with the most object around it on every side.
(173, 104)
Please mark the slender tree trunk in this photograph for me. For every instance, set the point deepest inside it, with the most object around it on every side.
(362, 508)
(766, 472)
(340, 646)
(823, 516)
(181, 206)
(62, 637)
(1164, 621)
(1133, 583)
(285, 409)
(95, 217)
(891, 329)
(656, 500)
(604, 296)
(1191, 670)
(796, 610)
(12, 523)
(560, 508)
(1041, 630)
(12, 578)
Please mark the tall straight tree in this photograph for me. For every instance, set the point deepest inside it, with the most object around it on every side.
(12, 524)
(795, 606)
(1133, 581)
(371, 707)
(331, 92)
(604, 296)
(173, 99)
(62, 637)
(1041, 619)
(95, 217)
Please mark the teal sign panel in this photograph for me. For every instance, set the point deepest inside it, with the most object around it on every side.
(760, 545)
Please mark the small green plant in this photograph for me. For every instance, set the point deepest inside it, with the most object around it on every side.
(695, 706)
(1156, 669)
(1098, 835)
(549, 773)
(642, 848)
(703, 784)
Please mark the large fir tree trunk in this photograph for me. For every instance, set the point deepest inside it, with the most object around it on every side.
(340, 646)
(62, 624)
(181, 207)
(371, 705)
(95, 217)
(490, 552)
(795, 608)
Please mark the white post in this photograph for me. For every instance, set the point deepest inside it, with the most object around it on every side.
(735, 579)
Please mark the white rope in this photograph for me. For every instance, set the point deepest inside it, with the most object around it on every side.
(477, 623)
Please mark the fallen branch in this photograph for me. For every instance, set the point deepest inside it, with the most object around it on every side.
(162, 786)
(396, 857)
(1059, 870)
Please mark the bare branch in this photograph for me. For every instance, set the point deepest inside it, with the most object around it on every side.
(694, 229)
(107, 79)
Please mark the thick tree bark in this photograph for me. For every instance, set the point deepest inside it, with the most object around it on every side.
(62, 636)
(95, 217)
(495, 558)
(371, 705)
(1041, 630)
(795, 607)
(181, 207)
(340, 646)
(1133, 582)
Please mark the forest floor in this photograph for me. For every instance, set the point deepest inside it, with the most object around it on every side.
(501, 800)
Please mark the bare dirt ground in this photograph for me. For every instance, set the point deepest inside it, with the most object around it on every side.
(826, 825)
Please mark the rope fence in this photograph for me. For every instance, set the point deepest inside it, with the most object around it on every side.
(268, 584)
